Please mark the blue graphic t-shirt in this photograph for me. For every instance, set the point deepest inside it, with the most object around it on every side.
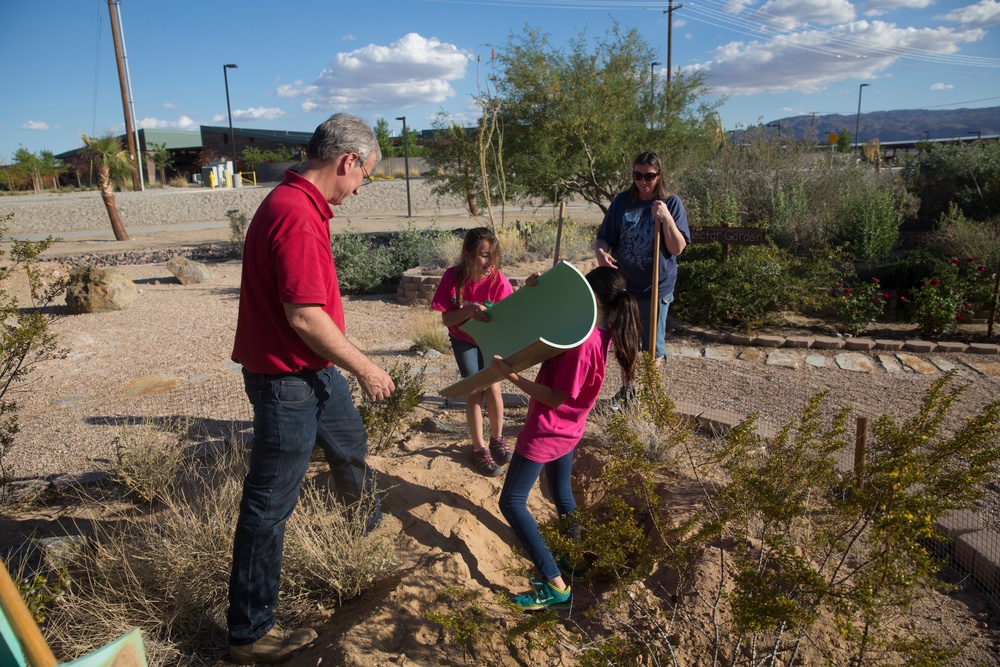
(628, 228)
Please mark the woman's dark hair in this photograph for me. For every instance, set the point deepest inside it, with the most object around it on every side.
(623, 315)
(470, 246)
(650, 159)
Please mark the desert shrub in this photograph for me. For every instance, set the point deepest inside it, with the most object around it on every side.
(779, 542)
(238, 223)
(959, 236)
(366, 266)
(747, 290)
(431, 334)
(859, 304)
(383, 419)
(444, 251)
(26, 338)
(40, 591)
(576, 242)
(966, 175)
(147, 458)
(168, 572)
(870, 220)
(178, 181)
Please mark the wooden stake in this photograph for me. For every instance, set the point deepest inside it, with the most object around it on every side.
(654, 297)
(562, 212)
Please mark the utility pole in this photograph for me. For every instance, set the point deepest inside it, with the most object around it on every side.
(670, 35)
(121, 80)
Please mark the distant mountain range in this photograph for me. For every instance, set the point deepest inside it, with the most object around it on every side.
(899, 125)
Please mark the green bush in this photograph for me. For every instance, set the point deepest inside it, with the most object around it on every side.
(966, 175)
(871, 218)
(384, 418)
(366, 266)
(859, 304)
(955, 289)
(749, 288)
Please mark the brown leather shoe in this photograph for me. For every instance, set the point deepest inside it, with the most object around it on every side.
(276, 646)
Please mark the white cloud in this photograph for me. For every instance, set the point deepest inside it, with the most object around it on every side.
(182, 123)
(411, 71)
(983, 14)
(348, 38)
(876, 7)
(170, 105)
(941, 86)
(35, 125)
(253, 113)
(809, 61)
(791, 14)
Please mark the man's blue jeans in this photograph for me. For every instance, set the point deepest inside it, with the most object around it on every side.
(521, 476)
(292, 414)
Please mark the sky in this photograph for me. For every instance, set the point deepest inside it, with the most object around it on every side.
(300, 61)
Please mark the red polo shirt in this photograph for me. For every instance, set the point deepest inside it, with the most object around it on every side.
(286, 259)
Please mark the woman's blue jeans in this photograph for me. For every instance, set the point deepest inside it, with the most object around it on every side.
(521, 476)
(292, 414)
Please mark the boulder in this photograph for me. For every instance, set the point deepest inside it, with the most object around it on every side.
(91, 290)
(188, 271)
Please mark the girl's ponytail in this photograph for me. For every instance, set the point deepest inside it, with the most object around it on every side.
(623, 316)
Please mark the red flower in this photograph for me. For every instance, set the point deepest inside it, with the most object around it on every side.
(874, 300)
(959, 317)
(875, 281)
(954, 260)
(847, 290)
(982, 268)
(885, 295)
(971, 260)
(902, 298)
(968, 304)
(933, 264)
(934, 281)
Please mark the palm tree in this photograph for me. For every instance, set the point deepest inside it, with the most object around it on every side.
(112, 164)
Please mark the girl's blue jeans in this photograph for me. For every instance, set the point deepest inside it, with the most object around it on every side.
(292, 414)
(521, 476)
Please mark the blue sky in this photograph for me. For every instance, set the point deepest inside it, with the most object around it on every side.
(299, 61)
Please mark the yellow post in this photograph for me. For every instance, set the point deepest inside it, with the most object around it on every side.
(211, 179)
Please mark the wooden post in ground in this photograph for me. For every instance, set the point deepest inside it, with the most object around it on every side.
(562, 212)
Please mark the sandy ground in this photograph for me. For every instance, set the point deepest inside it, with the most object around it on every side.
(168, 356)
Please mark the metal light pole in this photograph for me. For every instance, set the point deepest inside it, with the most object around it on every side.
(232, 142)
(857, 123)
(406, 165)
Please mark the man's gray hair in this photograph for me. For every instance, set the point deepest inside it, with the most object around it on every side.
(343, 133)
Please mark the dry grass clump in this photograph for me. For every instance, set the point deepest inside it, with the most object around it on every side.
(431, 334)
(148, 457)
(167, 571)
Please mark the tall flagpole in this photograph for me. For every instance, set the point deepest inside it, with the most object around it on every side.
(130, 140)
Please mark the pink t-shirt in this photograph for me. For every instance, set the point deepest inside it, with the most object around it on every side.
(550, 433)
(487, 291)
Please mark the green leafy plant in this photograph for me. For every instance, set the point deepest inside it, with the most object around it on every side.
(955, 289)
(466, 619)
(39, 593)
(859, 304)
(366, 265)
(384, 418)
(27, 339)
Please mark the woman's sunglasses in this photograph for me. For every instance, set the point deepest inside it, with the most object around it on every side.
(639, 176)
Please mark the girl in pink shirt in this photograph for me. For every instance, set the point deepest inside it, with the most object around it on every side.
(562, 396)
(466, 291)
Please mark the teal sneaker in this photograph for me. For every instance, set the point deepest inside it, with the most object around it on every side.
(544, 596)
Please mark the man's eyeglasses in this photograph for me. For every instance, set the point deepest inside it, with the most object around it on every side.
(367, 179)
(639, 176)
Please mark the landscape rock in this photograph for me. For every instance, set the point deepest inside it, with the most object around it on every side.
(188, 271)
(92, 290)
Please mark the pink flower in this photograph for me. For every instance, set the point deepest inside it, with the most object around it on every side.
(902, 298)
(885, 295)
(982, 268)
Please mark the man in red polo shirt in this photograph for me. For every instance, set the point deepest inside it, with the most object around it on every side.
(290, 340)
